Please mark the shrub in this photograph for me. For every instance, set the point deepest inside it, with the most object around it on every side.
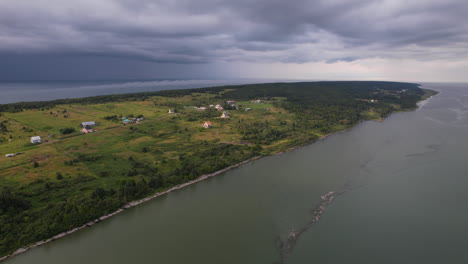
(67, 130)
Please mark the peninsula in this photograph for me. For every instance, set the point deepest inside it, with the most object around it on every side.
(68, 162)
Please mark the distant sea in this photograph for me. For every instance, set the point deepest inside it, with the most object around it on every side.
(11, 92)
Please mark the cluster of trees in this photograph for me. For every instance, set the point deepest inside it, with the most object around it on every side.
(12, 203)
(209, 158)
(114, 118)
(67, 130)
(260, 132)
(323, 105)
(193, 115)
(3, 126)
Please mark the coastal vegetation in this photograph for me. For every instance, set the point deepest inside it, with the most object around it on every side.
(72, 177)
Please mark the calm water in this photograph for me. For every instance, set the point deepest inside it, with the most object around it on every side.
(11, 92)
(406, 202)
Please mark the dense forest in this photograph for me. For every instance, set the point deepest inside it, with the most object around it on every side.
(102, 181)
(297, 93)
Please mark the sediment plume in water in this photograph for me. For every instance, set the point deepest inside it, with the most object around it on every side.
(286, 245)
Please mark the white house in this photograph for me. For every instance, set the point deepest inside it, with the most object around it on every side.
(171, 111)
(36, 139)
(89, 123)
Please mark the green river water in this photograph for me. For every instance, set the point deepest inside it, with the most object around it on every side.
(405, 200)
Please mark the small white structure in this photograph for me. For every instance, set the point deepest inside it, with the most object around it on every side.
(10, 155)
(226, 114)
(257, 101)
(171, 111)
(248, 109)
(201, 108)
(36, 140)
(207, 124)
(89, 123)
(218, 106)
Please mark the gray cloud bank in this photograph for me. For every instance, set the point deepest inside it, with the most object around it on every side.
(211, 31)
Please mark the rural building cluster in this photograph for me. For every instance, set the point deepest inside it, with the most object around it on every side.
(87, 127)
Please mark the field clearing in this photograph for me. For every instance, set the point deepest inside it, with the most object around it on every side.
(160, 135)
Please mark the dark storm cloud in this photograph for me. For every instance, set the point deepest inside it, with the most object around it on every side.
(205, 31)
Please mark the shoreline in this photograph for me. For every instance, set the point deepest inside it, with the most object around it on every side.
(180, 186)
(151, 197)
(125, 207)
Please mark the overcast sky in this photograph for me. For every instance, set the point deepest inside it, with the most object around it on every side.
(410, 40)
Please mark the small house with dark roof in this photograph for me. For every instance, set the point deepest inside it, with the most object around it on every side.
(226, 114)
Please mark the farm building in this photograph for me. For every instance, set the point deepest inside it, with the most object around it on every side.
(36, 140)
(207, 124)
(171, 111)
(248, 109)
(89, 123)
(226, 114)
(10, 155)
(87, 129)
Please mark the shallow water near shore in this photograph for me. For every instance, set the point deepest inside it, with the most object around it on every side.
(404, 202)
